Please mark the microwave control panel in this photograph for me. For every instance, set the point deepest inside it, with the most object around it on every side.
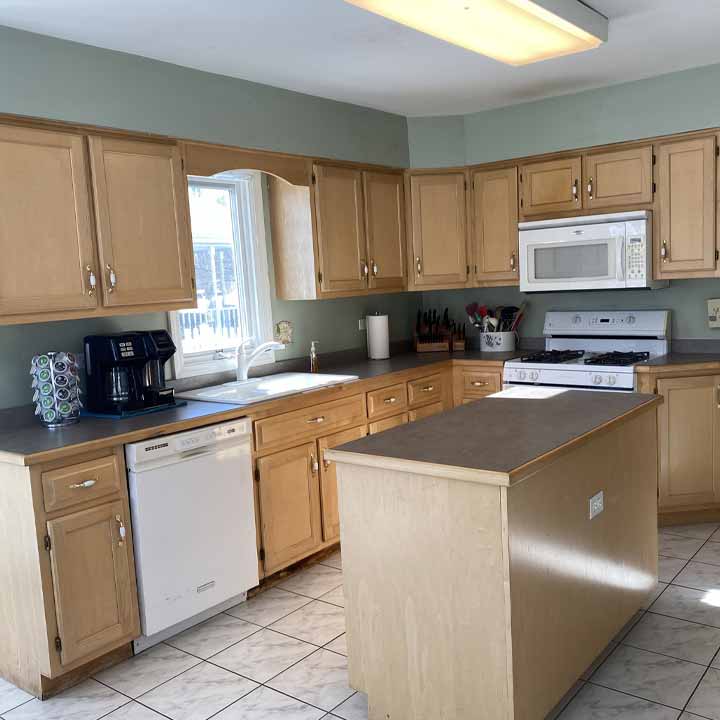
(638, 260)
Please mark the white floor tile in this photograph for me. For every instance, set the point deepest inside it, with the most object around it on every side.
(706, 699)
(700, 576)
(213, 636)
(354, 708)
(317, 623)
(268, 606)
(599, 703)
(313, 581)
(698, 606)
(134, 711)
(710, 553)
(267, 704)
(701, 531)
(334, 560)
(338, 645)
(669, 567)
(678, 546)
(336, 596)
(11, 696)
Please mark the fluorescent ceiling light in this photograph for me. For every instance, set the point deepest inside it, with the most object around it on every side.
(516, 32)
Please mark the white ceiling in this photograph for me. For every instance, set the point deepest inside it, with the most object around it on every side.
(335, 50)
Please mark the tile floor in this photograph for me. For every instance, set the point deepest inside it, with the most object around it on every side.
(282, 655)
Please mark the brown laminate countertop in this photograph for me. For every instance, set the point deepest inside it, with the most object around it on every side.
(497, 434)
(674, 359)
(24, 440)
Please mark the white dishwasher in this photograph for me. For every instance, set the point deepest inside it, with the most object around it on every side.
(193, 518)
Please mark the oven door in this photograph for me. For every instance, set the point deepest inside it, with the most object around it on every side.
(580, 257)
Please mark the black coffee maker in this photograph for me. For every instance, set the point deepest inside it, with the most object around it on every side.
(126, 372)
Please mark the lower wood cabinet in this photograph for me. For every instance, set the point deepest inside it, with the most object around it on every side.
(328, 481)
(93, 580)
(289, 495)
(387, 423)
(425, 411)
(689, 442)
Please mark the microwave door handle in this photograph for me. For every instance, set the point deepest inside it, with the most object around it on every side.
(620, 260)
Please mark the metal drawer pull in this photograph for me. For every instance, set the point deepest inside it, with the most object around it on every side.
(512, 262)
(112, 278)
(575, 193)
(316, 420)
(82, 485)
(479, 383)
(326, 463)
(121, 530)
(418, 265)
(664, 252)
(374, 267)
(390, 400)
(92, 281)
(590, 188)
(313, 464)
(717, 395)
(427, 388)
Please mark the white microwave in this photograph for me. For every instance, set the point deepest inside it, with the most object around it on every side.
(597, 252)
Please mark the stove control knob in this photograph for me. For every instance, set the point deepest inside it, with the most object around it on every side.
(521, 374)
(534, 375)
(576, 320)
(611, 379)
(631, 319)
(597, 379)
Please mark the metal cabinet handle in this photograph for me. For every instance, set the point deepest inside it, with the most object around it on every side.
(427, 388)
(112, 278)
(121, 530)
(390, 400)
(575, 193)
(82, 485)
(374, 268)
(326, 463)
(364, 268)
(512, 262)
(479, 383)
(317, 420)
(92, 280)
(664, 254)
(590, 188)
(418, 265)
(313, 464)
(717, 395)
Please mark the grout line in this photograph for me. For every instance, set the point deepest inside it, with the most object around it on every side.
(672, 657)
(638, 697)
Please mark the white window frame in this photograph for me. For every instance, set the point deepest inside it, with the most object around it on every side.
(224, 360)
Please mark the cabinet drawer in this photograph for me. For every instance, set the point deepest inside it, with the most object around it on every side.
(299, 425)
(478, 384)
(387, 401)
(387, 423)
(426, 411)
(425, 390)
(80, 483)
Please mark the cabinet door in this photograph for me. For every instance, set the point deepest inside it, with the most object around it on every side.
(142, 219)
(289, 505)
(686, 184)
(385, 226)
(328, 481)
(46, 236)
(340, 228)
(439, 239)
(495, 226)
(622, 177)
(688, 441)
(552, 186)
(93, 578)
(388, 423)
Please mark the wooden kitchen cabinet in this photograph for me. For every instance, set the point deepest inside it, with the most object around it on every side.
(689, 442)
(618, 177)
(686, 237)
(93, 580)
(388, 423)
(551, 186)
(144, 242)
(328, 481)
(340, 228)
(46, 233)
(438, 224)
(495, 226)
(385, 228)
(289, 494)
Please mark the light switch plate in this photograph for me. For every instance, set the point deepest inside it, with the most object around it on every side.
(597, 504)
(713, 311)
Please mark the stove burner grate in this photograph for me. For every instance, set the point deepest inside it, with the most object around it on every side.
(552, 356)
(618, 358)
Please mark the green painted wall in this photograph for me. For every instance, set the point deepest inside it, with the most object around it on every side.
(45, 77)
(436, 141)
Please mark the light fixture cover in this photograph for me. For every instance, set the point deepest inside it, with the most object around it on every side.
(516, 32)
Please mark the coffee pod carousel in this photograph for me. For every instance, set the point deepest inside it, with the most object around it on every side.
(56, 389)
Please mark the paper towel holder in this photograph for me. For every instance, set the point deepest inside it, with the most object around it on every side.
(378, 336)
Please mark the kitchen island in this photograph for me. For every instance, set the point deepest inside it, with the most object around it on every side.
(491, 553)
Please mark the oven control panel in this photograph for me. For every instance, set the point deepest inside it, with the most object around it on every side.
(568, 377)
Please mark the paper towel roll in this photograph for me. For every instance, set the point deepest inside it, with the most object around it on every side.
(378, 337)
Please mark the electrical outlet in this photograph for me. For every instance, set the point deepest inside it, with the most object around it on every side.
(713, 311)
(362, 324)
(597, 504)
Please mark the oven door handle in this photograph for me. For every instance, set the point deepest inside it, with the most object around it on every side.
(620, 259)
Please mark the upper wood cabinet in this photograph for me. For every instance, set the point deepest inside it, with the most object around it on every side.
(689, 442)
(343, 235)
(144, 240)
(91, 545)
(438, 222)
(385, 229)
(46, 234)
(618, 177)
(495, 226)
(551, 186)
(686, 237)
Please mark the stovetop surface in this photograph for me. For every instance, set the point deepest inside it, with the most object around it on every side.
(583, 358)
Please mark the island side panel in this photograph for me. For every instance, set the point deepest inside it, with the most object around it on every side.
(425, 577)
(574, 582)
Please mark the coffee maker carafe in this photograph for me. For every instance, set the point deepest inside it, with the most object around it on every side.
(126, 372)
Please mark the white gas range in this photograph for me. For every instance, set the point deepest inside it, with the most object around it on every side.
(593, 350)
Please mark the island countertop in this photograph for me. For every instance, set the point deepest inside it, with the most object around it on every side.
(495, 440)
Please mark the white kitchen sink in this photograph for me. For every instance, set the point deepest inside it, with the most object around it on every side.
(265, 388)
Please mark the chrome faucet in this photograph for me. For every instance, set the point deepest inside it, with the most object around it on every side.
(245, 356)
